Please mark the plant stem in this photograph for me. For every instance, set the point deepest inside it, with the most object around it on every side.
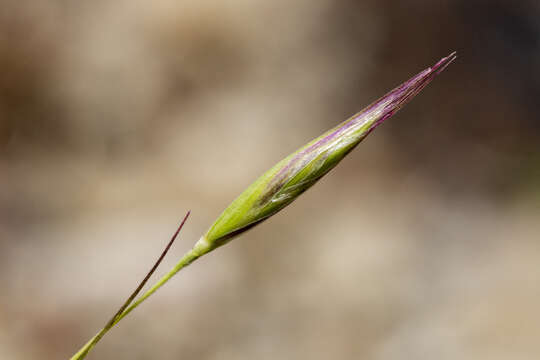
(187, 259)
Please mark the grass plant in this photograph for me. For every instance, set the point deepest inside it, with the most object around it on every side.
(281, 185)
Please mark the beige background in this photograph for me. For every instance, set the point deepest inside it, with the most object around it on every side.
(116, 117)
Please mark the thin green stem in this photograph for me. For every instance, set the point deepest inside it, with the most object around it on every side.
(124, 309)
(187, 259)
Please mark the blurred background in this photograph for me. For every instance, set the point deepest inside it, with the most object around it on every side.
(117, 117)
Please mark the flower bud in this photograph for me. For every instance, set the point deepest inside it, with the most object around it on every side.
(289, 178)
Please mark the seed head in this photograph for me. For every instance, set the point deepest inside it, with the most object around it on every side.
(290, 177)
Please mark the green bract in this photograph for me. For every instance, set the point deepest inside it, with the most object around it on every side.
(293, 175)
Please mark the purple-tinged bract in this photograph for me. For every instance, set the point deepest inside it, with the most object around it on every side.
(293, 175)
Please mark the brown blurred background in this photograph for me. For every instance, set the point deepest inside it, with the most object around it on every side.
(117, 117)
